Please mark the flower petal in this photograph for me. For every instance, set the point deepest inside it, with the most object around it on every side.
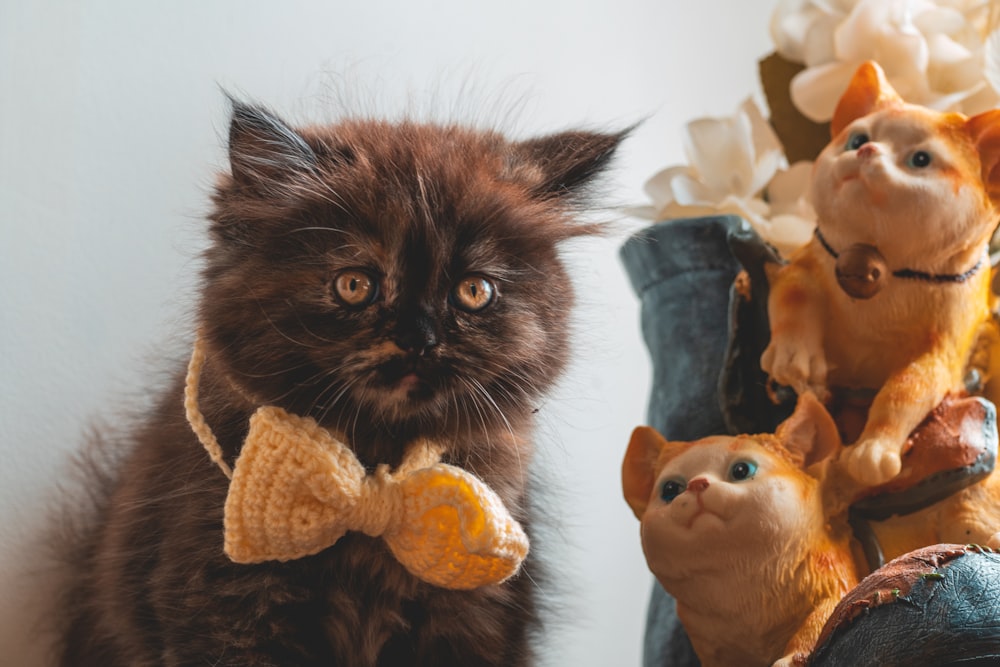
(991, 56)
(768, 164)
(675, 211)
(815, 91)
(940, 20)
(854, 39)
(819, 47)
(789, 25)
(904, 57)
(688, 191)
(983, 99)
(658, 187)
(790, 188)
(788, 233)
(753, 210)
(957, 101)
(720, 150)
(762, 134)
(946, 52)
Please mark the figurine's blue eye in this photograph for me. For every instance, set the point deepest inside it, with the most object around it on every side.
(742, 470)
(919, 159)
(671, 489)
(857, 140)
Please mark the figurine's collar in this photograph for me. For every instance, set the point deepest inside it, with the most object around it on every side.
(914, 274)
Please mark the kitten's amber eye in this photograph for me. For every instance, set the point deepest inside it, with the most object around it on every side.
(671, 489)
(857, 140)
(473, 293)
(919, 159)
(355, 288)
(742, 470)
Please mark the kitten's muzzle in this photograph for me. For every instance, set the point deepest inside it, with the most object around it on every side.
(417, 335)
(415, 371)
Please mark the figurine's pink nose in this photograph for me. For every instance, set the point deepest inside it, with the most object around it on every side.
(698, 484)
(868, 150)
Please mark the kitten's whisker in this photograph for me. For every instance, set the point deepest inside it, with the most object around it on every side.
(510, 429)
(327, 405)
(317, 228)
(486, 394)
(270, 321)
(281, 371)
(312, 379)
(476, 404)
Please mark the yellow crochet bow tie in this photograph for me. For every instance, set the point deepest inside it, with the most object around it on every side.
(296, 490)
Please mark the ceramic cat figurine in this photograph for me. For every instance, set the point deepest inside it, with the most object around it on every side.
(378, 286)
(748, 533)
(888, 298)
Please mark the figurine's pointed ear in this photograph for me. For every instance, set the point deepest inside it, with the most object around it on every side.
(263, 150)
(639, 467)
(868, 91)
(810, 434)
(564, 164)
(984, 129)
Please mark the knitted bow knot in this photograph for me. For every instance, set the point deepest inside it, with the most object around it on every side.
(296, 490)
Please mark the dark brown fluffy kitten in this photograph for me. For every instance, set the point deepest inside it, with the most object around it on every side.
(391, 281)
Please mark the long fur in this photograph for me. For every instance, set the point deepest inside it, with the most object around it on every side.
(416, 207)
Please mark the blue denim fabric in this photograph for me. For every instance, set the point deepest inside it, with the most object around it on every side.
(682, 271)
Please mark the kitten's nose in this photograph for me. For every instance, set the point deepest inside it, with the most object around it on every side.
(416, 335)
(698, 484)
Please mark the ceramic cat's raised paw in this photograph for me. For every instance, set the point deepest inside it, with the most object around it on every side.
(794, 660)
(801, 367)
(874, 461)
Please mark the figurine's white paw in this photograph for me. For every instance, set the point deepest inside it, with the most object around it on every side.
(873, 461)
(801, 367)
(788, 661)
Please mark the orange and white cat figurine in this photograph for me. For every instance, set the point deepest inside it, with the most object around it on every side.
(748, 533)
(888, 298)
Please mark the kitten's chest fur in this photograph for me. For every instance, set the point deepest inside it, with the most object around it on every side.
(162, 566)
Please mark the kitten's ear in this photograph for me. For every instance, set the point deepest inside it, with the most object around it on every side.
(984, 129)
(263, 150)
(868, 91)
(563, 164)
(810, 434)
(639, 467)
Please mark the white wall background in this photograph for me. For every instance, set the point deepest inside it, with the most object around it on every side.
(111, 125)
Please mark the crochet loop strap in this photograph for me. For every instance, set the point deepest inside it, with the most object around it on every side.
(296, 490)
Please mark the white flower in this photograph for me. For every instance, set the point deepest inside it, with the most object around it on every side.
(792, 218)
(933, 53)
(732, 162)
